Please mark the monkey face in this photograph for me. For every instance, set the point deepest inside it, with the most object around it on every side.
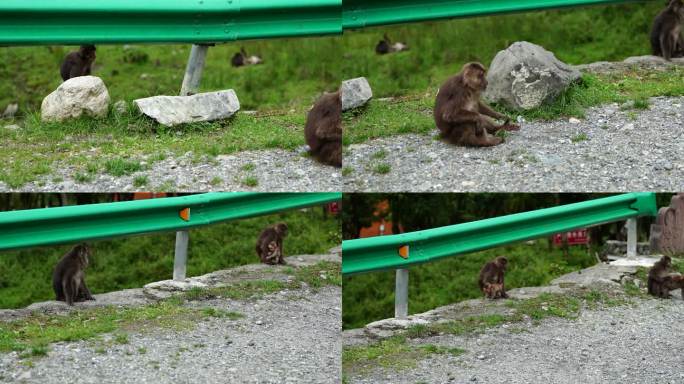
(474, 75)
(667, 261)
(84, 255)
(281, 228)
(502, 262)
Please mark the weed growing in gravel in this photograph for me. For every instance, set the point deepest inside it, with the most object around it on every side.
(382, 169)
(83, 178)
(250, 181)
(121, 338)
(121, 167)
(381, 154)
(347, 171)
(142, 350)
(213, 312)
(140, 181)
(248, 167)
(579, 138)
(216, 181)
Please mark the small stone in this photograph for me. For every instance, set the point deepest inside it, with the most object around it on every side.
(355, 93)
(258, 322)
(574, 120)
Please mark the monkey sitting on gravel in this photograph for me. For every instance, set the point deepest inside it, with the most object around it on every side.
(269, 246)
(323, 130)
(492, 278)
(68, 278)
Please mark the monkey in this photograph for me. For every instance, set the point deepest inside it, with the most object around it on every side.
(241, 59)
(385, 46)
(491, 279)
(657, 277)
(78, 63)
(493, 290)
(238, 59)
(666, 34)
(672, 282)
(68, 278)
(323, 131)
(462, 117)
(269, 246)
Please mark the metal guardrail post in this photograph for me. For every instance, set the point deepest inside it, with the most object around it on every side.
(401, 294)
(632, 237)
(194, 69)
(180, 258)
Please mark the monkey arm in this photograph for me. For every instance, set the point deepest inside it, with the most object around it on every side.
(85, 291)
(487, 110)
(75, 71)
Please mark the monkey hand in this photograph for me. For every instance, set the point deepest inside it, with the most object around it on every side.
(508, 126)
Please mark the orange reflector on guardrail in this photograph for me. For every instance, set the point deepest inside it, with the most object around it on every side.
(185, 214)
(404, 251)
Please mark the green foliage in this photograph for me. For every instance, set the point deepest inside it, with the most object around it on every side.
(135, 261)
(370, 297)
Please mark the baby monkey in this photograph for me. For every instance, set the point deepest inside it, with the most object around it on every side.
(491, 279)
(68, 278)
(460, 114)
(78, 63)
(269, 246)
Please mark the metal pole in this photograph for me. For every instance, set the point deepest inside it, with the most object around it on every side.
(193, 72)
(181, 257)
(632, 237)
(401, 294)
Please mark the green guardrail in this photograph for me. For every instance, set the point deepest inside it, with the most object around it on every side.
(383, 252)
(367, 13)
(47, 226)
(42, 22)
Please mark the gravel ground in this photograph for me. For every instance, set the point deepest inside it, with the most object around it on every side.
(624, 150)
(274, 171)
(641, 345)
(289, 337)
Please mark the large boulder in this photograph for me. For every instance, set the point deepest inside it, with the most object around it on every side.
(174, 110)
(355, 93)
(83, 95)
(525, 76)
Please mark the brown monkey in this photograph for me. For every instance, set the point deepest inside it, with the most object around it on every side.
(672, 282)
(493, 290)
(383, 46)
(78, 63)
(657, 277)
(68, 278)
(323, 131)
(460, 115)
(238, 59)
(269, 246)
(492, 278)
(666, 34)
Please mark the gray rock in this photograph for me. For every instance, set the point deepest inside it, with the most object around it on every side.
(75, 97)
(10, 111)
(120, 107)
(355, 93)
(12, 127)
(174, 110)
(525, 75)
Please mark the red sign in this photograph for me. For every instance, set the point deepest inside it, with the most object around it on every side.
(334, 208)
(576, 237)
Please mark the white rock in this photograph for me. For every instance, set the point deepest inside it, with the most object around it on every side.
(75, 97)
(12, 127)
(174, 110)
(120, 107)
(355, 93)
(574, 120)
(525, 75)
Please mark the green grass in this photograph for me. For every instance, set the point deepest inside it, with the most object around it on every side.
(140, 181)
(250, 181)
(32, 335)
(579, 138)
(399, 352)
(413, 113)
(382, 169)
(370, 297)
(133, 262)
(121, 167)
(440, 48)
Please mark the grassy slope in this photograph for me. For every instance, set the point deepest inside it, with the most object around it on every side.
(439, 49)
(370, 297)
(25, 276)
